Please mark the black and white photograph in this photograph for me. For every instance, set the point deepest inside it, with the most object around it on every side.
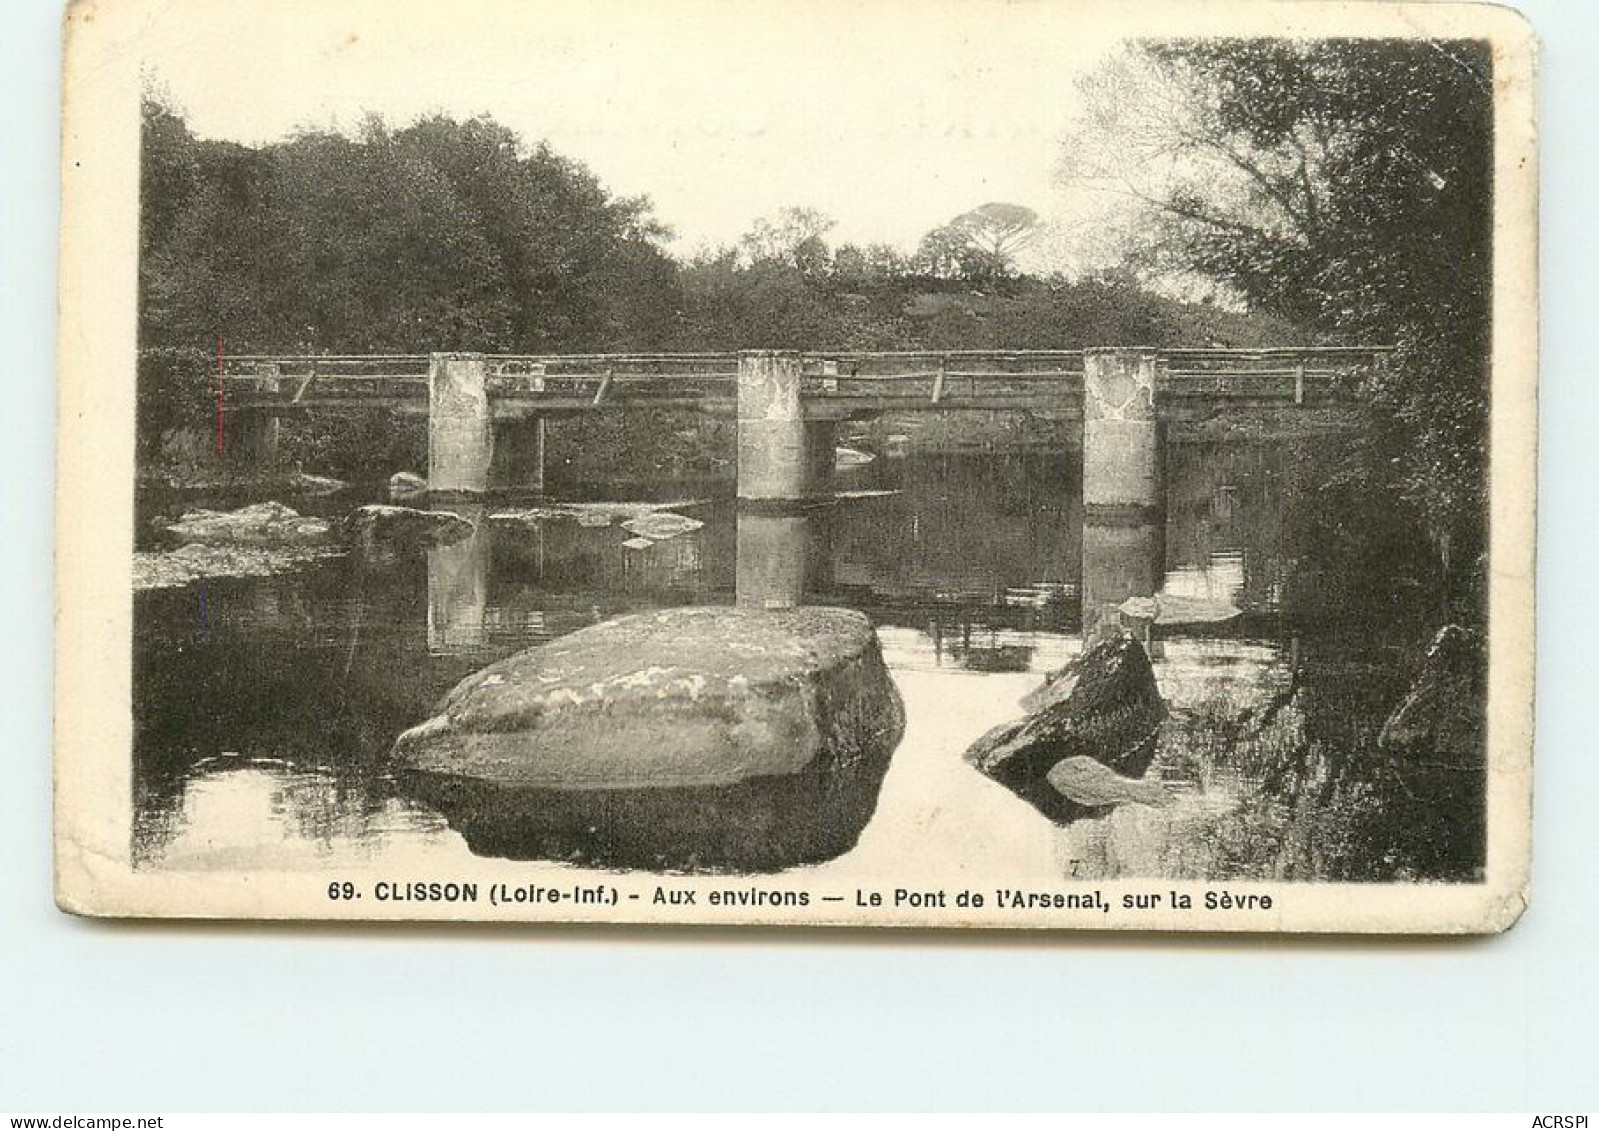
(854, 466)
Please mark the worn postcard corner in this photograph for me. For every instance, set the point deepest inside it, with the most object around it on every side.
(676, 464)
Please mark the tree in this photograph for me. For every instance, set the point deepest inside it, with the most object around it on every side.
(944, 253)
(440, 235)
(794, 237)
(1343, 184)
(980, 245)
(998, 232)
(867, 268)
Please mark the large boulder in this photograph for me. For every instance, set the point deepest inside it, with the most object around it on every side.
(1103, 705)
(1442, 718)
(693, 739)
(261, 524)
(384, 528)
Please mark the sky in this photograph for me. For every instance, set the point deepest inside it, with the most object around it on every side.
(892, 116)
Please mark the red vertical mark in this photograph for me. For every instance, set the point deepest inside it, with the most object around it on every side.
(219, 397)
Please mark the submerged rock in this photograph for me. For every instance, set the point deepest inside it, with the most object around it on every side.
(199, 562)
(262, 524)
(661, 525)
(403, 484)
(1442, 718)
(1094, 785)
(1175, 609)
(1103, 705)
(689, 738)
(529, 518)
(379, 527)
(604, 514)
(623, 511)
(304, 483)
(865, 493)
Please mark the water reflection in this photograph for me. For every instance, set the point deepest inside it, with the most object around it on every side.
(784, 556)
(762, 824)
(458, 588)
(265, 709)
(1124, 563)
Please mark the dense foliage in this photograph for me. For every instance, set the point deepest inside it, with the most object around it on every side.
(455, 235)
(1343, 185)
(443, 235)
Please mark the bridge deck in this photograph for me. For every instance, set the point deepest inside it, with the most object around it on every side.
(836, 384)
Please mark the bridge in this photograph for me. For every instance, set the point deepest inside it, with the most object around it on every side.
(787, 404)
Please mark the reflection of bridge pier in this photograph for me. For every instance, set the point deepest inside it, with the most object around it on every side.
(1124, 558)
(783, 557)
(458, 588)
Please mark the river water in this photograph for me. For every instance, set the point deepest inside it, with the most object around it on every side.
(266, 708)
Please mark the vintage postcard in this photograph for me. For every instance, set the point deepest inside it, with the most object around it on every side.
(1041, 465)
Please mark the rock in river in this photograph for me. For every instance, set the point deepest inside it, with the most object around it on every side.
(661, 525)
(1095, 785)
(691, 739)
(1174, 609)
(262, 524)
(1103, 705)
(304, 483)
(199, 562)
(403, 484)
(378, 527)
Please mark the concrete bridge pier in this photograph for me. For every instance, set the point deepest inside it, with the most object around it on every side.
(1122, 436)
(460, 424)
(783, 457)
(252, 437)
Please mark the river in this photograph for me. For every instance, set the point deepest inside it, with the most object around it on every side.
(265, 708)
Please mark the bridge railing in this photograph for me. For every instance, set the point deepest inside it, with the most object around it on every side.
(992, 376)
(601, 378)
(294, 378)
